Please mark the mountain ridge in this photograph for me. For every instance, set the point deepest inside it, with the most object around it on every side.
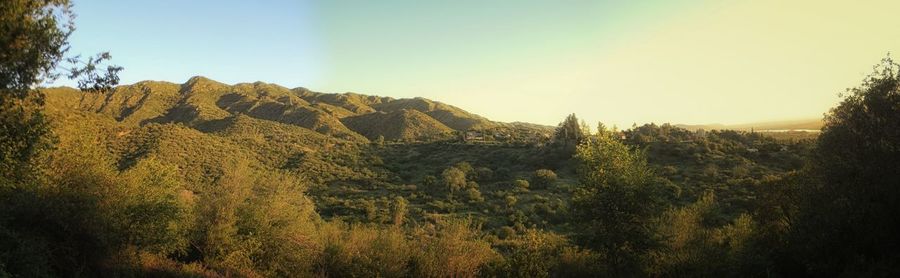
(203, 102)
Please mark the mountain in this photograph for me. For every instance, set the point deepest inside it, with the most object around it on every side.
(397, 125)
(208, 105)
(800, 124)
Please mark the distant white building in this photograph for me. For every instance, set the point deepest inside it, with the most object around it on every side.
(474, 135)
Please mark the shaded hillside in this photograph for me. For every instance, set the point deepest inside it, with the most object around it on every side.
(450, 116)
(205, 104)
(398, 125)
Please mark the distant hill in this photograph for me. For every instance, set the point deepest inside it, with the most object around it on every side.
(396, 125)
(206, 104)
(802, 124)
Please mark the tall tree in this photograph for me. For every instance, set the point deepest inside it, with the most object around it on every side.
(569, 133)
(33, 40)
(49, 224)
(848, 220)
(617, 202)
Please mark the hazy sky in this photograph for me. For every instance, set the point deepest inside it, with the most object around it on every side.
(615, 61)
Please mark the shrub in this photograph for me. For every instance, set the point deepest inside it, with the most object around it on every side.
(363, 251)
(474, 195)
(543, 178)
(534, 254)
(472, 184)
(506, 232)
(398, 210)
(429, 181)
(510, 201)
(455, 249)
(484, 174)
(466, 168)
(521, 184)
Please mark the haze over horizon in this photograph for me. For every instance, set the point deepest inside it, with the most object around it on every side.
(690, 62)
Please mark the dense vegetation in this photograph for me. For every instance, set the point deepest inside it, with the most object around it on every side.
(208, 179)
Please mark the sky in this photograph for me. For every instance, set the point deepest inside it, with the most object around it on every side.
(619, 62)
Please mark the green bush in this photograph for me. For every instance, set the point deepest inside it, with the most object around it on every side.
(474, 195)
(521, 184)
(506, 232)
(543, 178)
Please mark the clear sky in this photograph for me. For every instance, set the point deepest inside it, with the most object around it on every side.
(618, 62)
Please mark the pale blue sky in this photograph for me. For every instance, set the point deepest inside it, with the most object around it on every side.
(619, 62)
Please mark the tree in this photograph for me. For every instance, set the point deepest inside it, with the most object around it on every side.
(617, 202)
(52, 225)
(86, 72)
(465, 167)
(33, 40)
(569, 133)
(454, 179)
(155, 211)
(847, 222)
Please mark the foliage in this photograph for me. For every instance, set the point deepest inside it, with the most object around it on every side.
(521, 184)
(691, 249)
(543, 178)
(399, 210)
(33, 39)
(454, 179)
(846, 223)
(88, 78)
(455, 249)
(617, 202)
(88, 210)
(569, 133)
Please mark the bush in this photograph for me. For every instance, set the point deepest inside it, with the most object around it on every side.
(511, 201)
(429, 181)
(540, 254)
(577, 262)
(543, 178)
(455, 249)
(474, 195)
(506, 232)
(521, 184)
(363, 251)
(484, 174)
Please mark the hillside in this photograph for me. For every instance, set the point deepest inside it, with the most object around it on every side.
(203, 104)
(398, 125)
